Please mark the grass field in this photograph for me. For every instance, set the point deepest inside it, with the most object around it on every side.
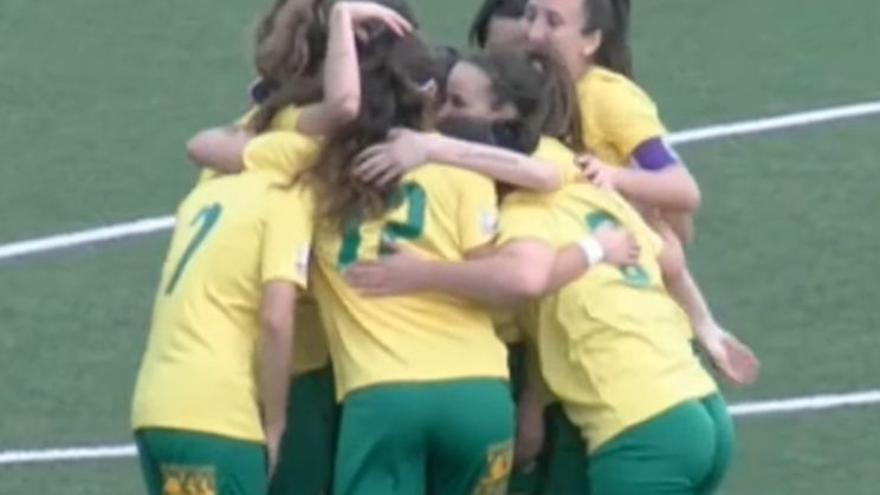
(98, 97)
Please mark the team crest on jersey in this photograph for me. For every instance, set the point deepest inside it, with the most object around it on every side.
(499, 463)
(188, 480)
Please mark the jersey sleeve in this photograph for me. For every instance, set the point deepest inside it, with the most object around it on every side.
(477, 211)
(281, 153)
(627, 116)
(287, 238)
(526, 215)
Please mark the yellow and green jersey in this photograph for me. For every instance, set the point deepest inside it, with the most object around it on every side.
(233, 235)
(442, 213)
(610, 342)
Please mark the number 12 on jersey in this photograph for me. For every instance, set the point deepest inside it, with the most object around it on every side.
(207, 218)
(410, 194)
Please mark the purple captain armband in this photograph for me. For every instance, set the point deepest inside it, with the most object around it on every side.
(655, 155)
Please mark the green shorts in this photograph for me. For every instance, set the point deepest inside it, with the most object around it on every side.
(308, 447)
(561, 468)
(442, 438)
(684, 451)
(190, 463)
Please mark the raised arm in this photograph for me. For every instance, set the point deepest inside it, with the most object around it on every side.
(341, 80)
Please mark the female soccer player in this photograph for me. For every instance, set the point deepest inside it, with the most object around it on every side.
(621, 126)
(524, 94)
(609, 341)
(296, 94)
(211, 393)
(422, 378)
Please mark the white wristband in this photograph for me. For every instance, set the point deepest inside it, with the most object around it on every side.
(593, 251)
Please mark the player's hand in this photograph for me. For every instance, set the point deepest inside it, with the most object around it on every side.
(598, 173)
(364, 13)
(620, 246)
(398, 273)
(735, 360)
(382, 164)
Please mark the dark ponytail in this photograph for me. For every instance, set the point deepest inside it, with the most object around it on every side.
(396, 89)
(611, 18)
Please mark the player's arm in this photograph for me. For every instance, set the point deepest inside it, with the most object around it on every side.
(220, 148)
(515, 272)
(668, 185)
(276, 343)
(341, 80)
(406, 150)
(287, 233)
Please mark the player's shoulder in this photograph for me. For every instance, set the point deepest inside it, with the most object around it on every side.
(284, 152)
(603, 87)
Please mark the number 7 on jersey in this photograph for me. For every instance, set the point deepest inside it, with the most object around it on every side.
(208, 217)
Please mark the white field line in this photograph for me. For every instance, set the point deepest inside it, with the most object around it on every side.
(90, 236)
(776, 406)
(149, 225)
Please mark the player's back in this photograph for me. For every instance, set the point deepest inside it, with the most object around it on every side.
(197, 372)
(441, 213)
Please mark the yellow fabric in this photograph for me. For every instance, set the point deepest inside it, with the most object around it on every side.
(610, 342)
(420, 337)
(198, 372)
(284, 154)
(264, 153)
(556, 154)
(618, 115)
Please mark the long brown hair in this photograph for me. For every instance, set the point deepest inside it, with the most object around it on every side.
(397, 75)
(291, 44)
(611, 18)
(540, 89)
(290, 52)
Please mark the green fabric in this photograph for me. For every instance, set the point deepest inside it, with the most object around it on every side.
(566, 471)
(683, 451)
(305, 463)
(561, 468)
(441, 438)
(190, 463)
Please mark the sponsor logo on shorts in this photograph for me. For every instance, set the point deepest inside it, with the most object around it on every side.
(499, 463)
(188, 480)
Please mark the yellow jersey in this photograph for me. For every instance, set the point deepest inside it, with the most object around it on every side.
(610, 342)
(617, 115)
(285, 153)
(442, 213)
(233, 234)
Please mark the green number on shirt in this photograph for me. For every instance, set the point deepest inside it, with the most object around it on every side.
(410, 194)
(634, 275)
(208, 217)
